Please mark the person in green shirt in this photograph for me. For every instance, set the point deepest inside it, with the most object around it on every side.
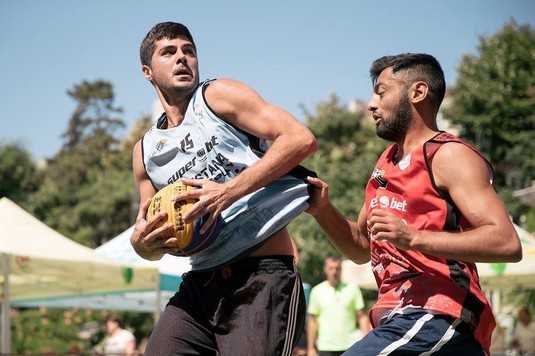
(336, 313)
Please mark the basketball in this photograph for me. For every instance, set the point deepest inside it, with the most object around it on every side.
(189, 240)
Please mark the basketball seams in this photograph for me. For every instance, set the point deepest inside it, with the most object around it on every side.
(189, 242)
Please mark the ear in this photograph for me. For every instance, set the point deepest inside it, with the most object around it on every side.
(418, 92)
(147, 72)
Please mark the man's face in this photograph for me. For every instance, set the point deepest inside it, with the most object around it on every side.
(111, 326)
(333, 271)
(174, 67)
(390, 107)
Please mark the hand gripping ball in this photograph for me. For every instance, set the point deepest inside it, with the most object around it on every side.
(189, 240)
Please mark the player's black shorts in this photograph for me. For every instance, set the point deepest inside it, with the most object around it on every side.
(255, 306)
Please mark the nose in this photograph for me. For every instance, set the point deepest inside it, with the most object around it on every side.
(180, 57)
(372, 103)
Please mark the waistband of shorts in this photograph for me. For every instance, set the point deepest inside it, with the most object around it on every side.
(265, 262)
(258, 263)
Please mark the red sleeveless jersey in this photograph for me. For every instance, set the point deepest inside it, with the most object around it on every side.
(411, 279)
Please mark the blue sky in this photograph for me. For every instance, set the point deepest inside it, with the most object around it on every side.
(294, 53)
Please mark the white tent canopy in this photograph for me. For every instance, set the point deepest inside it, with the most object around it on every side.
(511, 275)
(37, 262)
(119, 249)
(170, 269)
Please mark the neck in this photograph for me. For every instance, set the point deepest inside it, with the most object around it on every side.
(412, 140)
(334, 284)
(175, 114)
(174, 107)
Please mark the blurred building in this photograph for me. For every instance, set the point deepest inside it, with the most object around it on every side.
(526, 195)
(157, 110)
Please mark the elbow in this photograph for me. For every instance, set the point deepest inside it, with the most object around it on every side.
(360, 259)
(513, 251)
(516, 254)
(310, 143)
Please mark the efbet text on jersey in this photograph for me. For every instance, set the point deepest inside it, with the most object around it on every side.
(384, 201)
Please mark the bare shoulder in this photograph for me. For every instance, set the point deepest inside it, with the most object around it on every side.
(226, 83)
(137, 151)
(226, 87)
(137, 146)
(455, 162)
(137, 161)
(234, 101)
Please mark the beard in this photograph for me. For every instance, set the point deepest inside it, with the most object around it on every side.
(395, 127)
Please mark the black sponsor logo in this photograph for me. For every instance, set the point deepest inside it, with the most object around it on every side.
(378, 175)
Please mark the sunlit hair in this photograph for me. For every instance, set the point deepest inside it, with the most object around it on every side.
(412, 67)
(169, 30)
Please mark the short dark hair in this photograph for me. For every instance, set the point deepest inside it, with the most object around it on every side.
(332, 258)
(115, 319)
(415, 67)
(170, 30)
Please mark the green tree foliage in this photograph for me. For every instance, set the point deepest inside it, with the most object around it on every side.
(34, 330)
(88, 194)
(348, 149)
(19, 175)
(92, 122)
(127, 146)
(494, 104)
(88, 187)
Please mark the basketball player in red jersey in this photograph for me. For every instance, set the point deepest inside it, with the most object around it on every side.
(430, 213)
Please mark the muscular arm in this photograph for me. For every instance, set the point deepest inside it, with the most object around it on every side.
(465, 176)
(242, 107)
(144, 239)
(348, 236)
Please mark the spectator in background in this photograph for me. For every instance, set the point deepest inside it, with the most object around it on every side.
(524, 334)
(118, 341)
(47, 351)
(75, 350)
(497, 343)
(336, 315)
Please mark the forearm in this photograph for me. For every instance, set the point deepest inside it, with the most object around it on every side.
(312, 332)
(284, 154)
(483, 244)
(344, 234)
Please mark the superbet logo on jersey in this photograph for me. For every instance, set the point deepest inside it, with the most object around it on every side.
(384, 202)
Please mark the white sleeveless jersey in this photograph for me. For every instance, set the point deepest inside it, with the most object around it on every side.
(204, 146)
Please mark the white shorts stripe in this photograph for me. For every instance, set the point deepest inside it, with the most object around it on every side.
(292, 317)
(408, 335)
(447, 337)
